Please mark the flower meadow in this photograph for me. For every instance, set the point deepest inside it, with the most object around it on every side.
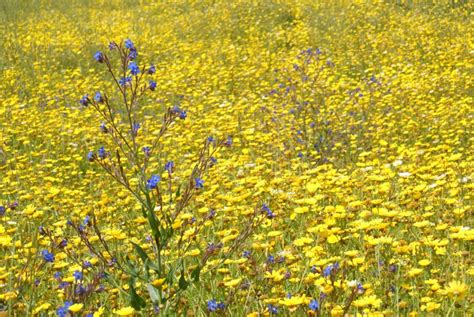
(236, 158)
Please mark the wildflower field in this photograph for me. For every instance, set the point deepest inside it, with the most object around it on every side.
(236, 158)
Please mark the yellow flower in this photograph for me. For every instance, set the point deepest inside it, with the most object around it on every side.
(456, 289)
(76, 307)
(126, 311)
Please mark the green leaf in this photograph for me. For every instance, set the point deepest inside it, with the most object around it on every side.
(195, 274)
(153, 292)
(183, 284)
(140, 252)
(136, 301)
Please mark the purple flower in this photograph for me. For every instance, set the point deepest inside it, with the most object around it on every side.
(151, 70)
(146, 151)
(99, 56)
(135, 128)
(270, 214)
(153, 182)
(169, 166)
(90, 156)
(134, 69)
(272, 309)
(152, 85)
(182, 114)
(102, 154)
(133, 54)
(228, 142)
(103, 128)
(85, 100)
(2, 210)
(199, 183)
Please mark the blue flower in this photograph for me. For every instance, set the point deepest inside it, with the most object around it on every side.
(199, 183)
(129, 44)
(90, 156)
(103, 128)
(228, 142)
(151, 70)
(246, 254)
(272, 309)
(134, 69)
(146, 151)
(124, 81)
(77, 275)
(270, 214)
(314, 305)
(153, 182)
(86, 264)
(212, 305)
(101, 153)
(63, 310)
(133, 54)
(210, 139)
(136, 127)
(99, 56)
(47, 256)
(330, 269)
(85, 100)
(2, 210)
(98, 97)
(152, 85)
(182, 114)
(169, 166)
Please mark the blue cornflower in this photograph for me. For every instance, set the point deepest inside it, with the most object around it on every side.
(98, 97)
(151, 70)
(101, 153)
(87, 220)
(84, 100)
(313, 305)
(272, 309)
(169, 166)
(153, 182)
(129, 44)
(3, 210)
(212, 305)
(152, 85)
(124, 81)
(47, 256)
(99, 56)
(77, 275)
(270, 214)
(90, 156)
(199, 183)
(134, 69)
(183, 114)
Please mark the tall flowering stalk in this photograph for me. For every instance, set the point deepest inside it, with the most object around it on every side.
(123, 122)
